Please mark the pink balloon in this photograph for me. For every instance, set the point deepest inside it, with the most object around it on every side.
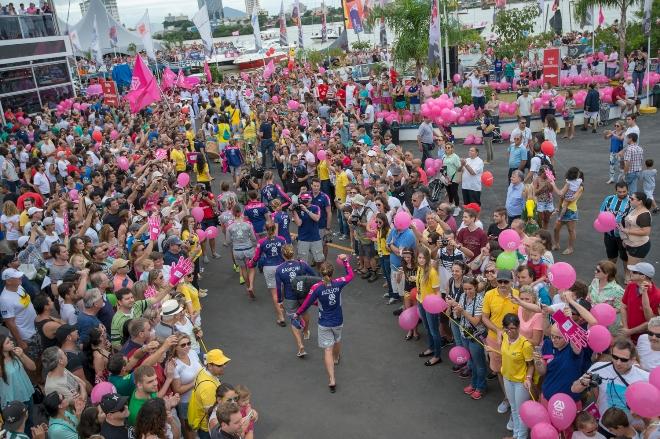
(183, 179)
(654, 377)
(197, 213)
(599, 227)
(643, 399)
(459, 355)
(456, 77)
(211, 232)
(275, 99)
(532, 413)
(286, 132)
(293, 105)
(506, 135)
(607, 220)
(428, 162)
(100, 390)
(321, 70)
(321, 155)
(114, 134)
(544, 430)
(73, 194)
(419, 225)
(438, 163)
(561, 275)
(201, 234)
(604, 313)
(402, 220)
(478, 140)
(122, 163)
(431, 171)
(462, 120)
(409, 318)
(599, 338)
(509, 239)
(562, 411)
(434, 304)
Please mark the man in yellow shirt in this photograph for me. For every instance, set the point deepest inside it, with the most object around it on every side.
(202, 397)
(497, 304)
(190, 135)
(178, 155)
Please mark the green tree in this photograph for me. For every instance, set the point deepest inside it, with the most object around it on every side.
(512, 27)
(361, 45)
(131, 48)
(581, 7)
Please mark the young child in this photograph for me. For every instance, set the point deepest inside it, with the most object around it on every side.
(586, 427)
(250, 415)
(648, 182)
(537, 263)
(570, 189)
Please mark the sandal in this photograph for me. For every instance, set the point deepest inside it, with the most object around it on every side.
(332, 387)
(426, 353)
(430, 363)
(409, 336)
(416, 337)
(282, 323)
(301, 353)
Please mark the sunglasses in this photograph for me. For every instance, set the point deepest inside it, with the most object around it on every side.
(623, 360)
(653, 334)
(511, 328)
(489, 272)
(503, 282)
(184, 345)
(598, 270)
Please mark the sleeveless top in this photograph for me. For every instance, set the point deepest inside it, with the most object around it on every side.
(45, 341)
(630, 222)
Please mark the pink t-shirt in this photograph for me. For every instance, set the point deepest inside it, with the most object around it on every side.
(528, 326)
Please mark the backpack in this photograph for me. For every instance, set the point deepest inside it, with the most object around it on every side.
(545, 161)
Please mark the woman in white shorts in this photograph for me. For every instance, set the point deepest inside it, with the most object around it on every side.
(269, 256)
(544, 200)
(241, 237)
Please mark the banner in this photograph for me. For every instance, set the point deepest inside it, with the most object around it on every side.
(588, 17)
(383, 32)
(647, 18)
(284, 39)
(109, 88)
(95, 45)
(324, 24)
(144, 90)
(353, 15)
(296, 16)
(207, 72)
(601, 16)
(143, 29)
(551, 66)
(555, 22)
(112, 33)
(255, 29)
(168, 79)
(203, 25)
(434, 35)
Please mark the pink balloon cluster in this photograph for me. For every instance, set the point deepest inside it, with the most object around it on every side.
(508, 107)
(443, 111)
(293, 105)
(432, 166)
(559, 415)
(389, 116)
(471, 139)
(606, 222)
(24, 120)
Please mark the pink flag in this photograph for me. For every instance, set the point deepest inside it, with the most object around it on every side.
(207, 71)
(235, 33)
(144, 89)
(187, 82)
(601, 16)
(269, 69)
(169, 79)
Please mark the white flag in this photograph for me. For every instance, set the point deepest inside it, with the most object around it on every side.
(296, 8)
(434, 35)
(255, 28)
(143, 29)
(284, 40)
(95, 45)
(75, 40)
(203, 25)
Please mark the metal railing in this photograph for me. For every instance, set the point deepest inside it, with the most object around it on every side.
(14, 27)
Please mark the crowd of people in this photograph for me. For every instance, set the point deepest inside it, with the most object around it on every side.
(112, 220)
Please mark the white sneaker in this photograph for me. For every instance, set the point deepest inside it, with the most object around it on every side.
(503, 407)
(610, 181)
(457, 210)
(206, 259)
(509, 424)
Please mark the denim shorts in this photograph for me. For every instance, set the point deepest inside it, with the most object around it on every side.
(570, 215)
(545, 206)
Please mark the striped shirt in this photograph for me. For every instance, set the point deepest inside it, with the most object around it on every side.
(634, 154)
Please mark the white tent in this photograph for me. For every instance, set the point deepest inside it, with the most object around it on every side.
(104, 21)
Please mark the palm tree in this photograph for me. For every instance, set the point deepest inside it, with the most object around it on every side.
(583, 6)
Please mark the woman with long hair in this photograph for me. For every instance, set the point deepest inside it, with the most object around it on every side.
(189, 235)
(454, 293)
(154, 421)
(15, 384)
(108, 234)
(202, 172)
(63, 423)
(77, 247)
(427, 280)
(138, 257)
(269, 254)
(10, 223)
(605, 289)
(331, 319)
(186, 367)
(635, 229)
(408, 272)
(97, 349)
(223, 394)
(382, 231)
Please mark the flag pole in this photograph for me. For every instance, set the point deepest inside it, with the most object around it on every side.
(443, 74)
(648, 68)
(444, 9)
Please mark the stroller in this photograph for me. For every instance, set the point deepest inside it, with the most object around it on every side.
(497, 135)
(603, 114)
(438, 187)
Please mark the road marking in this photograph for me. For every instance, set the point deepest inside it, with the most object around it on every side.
(330, 244)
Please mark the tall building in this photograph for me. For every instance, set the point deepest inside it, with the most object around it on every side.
(34, 63)
(250, 5)
(216, 15)
(110, 5)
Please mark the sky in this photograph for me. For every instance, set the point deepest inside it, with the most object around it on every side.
(130, 11)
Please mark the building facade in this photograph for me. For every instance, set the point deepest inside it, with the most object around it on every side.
(110, 5)
(250, 5)
(34, 63)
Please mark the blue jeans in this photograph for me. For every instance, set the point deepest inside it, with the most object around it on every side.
(516, 394)
(343, 225)
(610, 72)
(203, 434)
(387, 273)
(267, 146)
(638, 78)
(477, 363)
(430, 322)
(456, 332)
(631, 180)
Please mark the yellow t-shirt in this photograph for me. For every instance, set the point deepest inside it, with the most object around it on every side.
(217, 101)
(514, 358)
(439, 230)
(202, 399)
(250, 132)
(381, 244)
(424, 288)
(195, 249)
(340, 186)
(497, 307)
(222, 129)
(23, 219)
(204, 176)
(234, 115)
(179, 158)
(324, 172)
(191, 139)
(191, 295)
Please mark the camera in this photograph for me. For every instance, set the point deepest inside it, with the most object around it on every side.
(444, 242)
(354, 219)
(595, 380)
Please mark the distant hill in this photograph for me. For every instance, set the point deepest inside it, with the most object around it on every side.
(233, 13)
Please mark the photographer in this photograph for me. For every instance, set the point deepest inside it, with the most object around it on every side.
(307, 217)
(206, 201)
(451, 251)
(611, 378)
(360, 217)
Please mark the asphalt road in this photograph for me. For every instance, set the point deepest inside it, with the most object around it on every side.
(383, 388)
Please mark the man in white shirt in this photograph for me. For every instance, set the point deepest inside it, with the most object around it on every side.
(648, 345)
(369, 116)
(40, 181)
(525, 102)
(472, 167)
(16, 308)
(524, 131)
(350, 93)
(631, 127)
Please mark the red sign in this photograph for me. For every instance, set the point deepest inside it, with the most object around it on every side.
(551, 66)
(110, 93)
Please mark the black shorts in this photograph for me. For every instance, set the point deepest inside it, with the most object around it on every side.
(614, 247)
(208, 222)
(639, 252)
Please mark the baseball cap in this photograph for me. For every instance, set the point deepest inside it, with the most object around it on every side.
(644, 268)
(22, 241)
(504, 275)
(372, 153)
(390, 147)
(305, 197)
(175, 240)
(473, 206)
(113, 402)
(170, 307)
(32, 210)
(395, 170)
(48, 221)
(359, 200)
(13, 413)
(11, 273)
(117, 264)
(63, 332)
(217, 357)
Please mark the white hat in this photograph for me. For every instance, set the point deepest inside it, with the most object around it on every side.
(48, 221)
(12, 273)
(32, 210)
(156, 174)
(170, 307)
(22, 241)
(371, 153)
